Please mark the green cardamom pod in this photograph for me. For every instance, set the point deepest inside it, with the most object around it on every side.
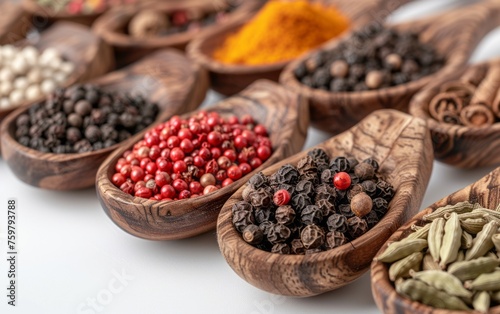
(428, 262)
(466, 240)
(496, 241)
(401, 249)
(466, 270)
(460, 256)
(421, 292)
(435, 237)
(481, 302)
(482, 243)
(485, 282)
(443, 281)
(420, 232)
(459, 208)
(402, 267)
(473, 225)
(490, 212)
(451, 241)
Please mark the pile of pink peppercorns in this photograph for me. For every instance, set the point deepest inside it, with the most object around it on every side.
(184, 158)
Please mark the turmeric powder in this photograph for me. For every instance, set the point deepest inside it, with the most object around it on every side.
(281, 31)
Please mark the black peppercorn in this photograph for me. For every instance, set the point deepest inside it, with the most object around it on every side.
(278, 233)
(252, 234)
(335, 239)
(337, 222)
(356, 227)
(285, 215)
(242, 218)
(281, 248)
(311, 214)
(312, 236)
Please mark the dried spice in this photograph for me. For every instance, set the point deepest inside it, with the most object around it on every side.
(340, 215)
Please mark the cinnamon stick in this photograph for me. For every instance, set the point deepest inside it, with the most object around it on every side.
(450, 102)
(487, 90)
(475, 74)
(477, 115)
(495, 107)
(452, 117)
(464, 90)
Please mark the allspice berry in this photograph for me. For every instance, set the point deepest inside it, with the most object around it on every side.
(148, 23)
(394, 61)
(374, 79)
(339, 68)
(361, 204)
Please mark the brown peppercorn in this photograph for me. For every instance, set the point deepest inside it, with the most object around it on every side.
(93, 133)
(252, 234)
(207, 179)
(75, 120)
(312, 237)
(83, 107)
(335, 239)
(339, 68)
(364, 171)
(374, 79)
(361, 204)
(261, 198)
(297, 247)
(356, 227)
(393, 61)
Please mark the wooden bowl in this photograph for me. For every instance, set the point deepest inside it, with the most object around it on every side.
(166, 77)
(229, 79)
(112, 27)
(46, 15)
(76, 44)
(285, 115)
(457, 145)
(402, 145)
(454, 34)
(486, 192)
(15, 22)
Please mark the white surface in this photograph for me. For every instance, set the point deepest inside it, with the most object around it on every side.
(71, 255)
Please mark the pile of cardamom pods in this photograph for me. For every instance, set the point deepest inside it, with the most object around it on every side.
(451, 261)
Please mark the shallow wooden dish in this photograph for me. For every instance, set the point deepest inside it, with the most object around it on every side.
(454, 34)
(46, 15)
(268, 103)
(402, 145)
(166, 77)
(90, 55)
(457, 145)
(486, 191)
(112, 27)
(15, 22)
(229, 79)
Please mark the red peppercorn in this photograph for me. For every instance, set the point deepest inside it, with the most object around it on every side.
(148, 177)
(240, 142)
(168, 191)
(342, 180)
(118, 179)
(234, 172)
(209, 189)
(143, 192)
(136, 174)
(152, 140)
(259, 129)
(246, 119)
(195, 128)
(179, 185)
(126, 170)
(151, 167)
(205, 153)
(162, 178)
(216, 153)
(263, 152)
(221, 175)
(281, 197)
(163, 164)
(155, 152)
(127, 187)
(214, 138)
(195, 187)
(179, 166)
(232, 120)
(176, 154)
(231, 154)
(249, 136)
(255, 162)
(245, 168)
(224, 162)
(173, 141)
(184, 194)
(184, 133)
(186, 145)
(226, 182)
(211, 167)
(198, 161)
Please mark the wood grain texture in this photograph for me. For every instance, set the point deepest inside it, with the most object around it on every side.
(402, 146)
(76, 44)
(229, 79)
(486, 191)
(165, 77)
(112, 27)
(47, 15)
(285, 115)
(460, 146)
(454, 34)
(15, 22)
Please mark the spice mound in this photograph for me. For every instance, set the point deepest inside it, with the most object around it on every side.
(450, 260)
(372, 58)
(27, 74)
(317, 205)
(83, 118)
(472, 101)
(153, 23)
(282, 30)
(184, 158)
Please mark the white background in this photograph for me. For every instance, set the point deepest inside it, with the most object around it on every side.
(71, 254)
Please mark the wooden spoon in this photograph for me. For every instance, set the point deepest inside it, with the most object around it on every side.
(457, 145)
(285, 115)
(112, 27)
(229, 79)
(402, 146)
(76, 44)
(15, 22)
(454, 34)
(486, 192)
(166, 77)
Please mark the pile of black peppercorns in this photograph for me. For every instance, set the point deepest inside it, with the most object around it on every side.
(372, 58)
(83, 118)
(312, 214)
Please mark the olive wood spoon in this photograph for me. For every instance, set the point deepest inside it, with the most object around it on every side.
(229, 79)
(282, 112)
(166, 77)
(90, 56)
(454, 34)
(112, 27)
(402, 146)
(15, 22)
(486, 192)
(458, 145)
